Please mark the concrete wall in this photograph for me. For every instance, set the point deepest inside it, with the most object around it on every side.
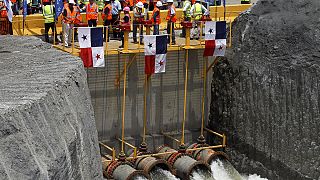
(165, 108)
(266, 92)
(47, 128)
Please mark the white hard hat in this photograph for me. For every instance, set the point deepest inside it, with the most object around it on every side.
(159, 4)
(72, 2)
(139, 4)
(170, 1)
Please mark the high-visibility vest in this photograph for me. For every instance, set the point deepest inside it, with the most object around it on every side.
(92, 11)
(3, 12)
(73, 17)
(158, 20)
(173, 19)
(187, 3)
(109, 15)
(48, 14)
(197, 11)
(245, 0)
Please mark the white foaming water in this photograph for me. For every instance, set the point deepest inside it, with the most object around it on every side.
(254, 177)
(161, 174)
(222, 169)
(140, 178)
(200, 174)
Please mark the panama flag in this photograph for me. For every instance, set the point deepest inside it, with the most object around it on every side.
(155, 50)
(215, 38)
(91, 46)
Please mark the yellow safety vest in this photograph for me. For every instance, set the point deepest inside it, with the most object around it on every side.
(187, 3)
(48, 14)
(197, 11)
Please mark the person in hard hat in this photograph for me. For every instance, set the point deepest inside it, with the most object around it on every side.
(115, 11)
(92, 10)
(125, 21)
(156, 20)
(171, 19)
(71, 16)
(138, 14)
(186, 14)
(107, 18)
(49, 22)
(196, 11)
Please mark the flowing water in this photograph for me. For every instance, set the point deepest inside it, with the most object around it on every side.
(199, 174)
(139, 178)
(222, 169)
(161, 174)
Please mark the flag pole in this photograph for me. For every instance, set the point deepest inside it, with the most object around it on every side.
(143, 146)
(122, 155)
(182, 145)
(224, 10)
(201, 138)
(72, 51)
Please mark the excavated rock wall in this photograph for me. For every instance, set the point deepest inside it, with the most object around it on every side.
(265, 93)
(47, 127)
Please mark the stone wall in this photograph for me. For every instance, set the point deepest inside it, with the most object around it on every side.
(265, 93)
(47, 128)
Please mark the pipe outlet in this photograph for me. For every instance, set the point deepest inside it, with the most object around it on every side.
(183, 163)
(123, 171)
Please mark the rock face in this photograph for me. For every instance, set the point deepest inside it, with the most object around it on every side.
(265, 93)
(47, 128)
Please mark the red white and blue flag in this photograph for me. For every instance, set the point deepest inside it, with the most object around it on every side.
(215, 38)
(91, 46)
(155, 50)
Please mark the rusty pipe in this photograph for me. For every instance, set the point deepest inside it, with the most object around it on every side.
(120, 170)
(147, 164)
(206, 155)
(183, 163)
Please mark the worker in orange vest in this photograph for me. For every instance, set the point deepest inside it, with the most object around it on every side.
(92, 13)
(107, 18)
(171, 18)
(70, 16)
(156, 20)
(125, 21)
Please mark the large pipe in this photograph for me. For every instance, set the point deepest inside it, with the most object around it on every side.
(182, 162)
(206, 155)
(147, 164)
(120, 170)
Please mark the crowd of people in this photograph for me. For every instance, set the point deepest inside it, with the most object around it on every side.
(111, 17)
(193, 11)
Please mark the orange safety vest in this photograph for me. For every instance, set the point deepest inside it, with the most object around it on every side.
(73, 17)
(173, 19)
(158, 20)
(92, 11)
(109, 15)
